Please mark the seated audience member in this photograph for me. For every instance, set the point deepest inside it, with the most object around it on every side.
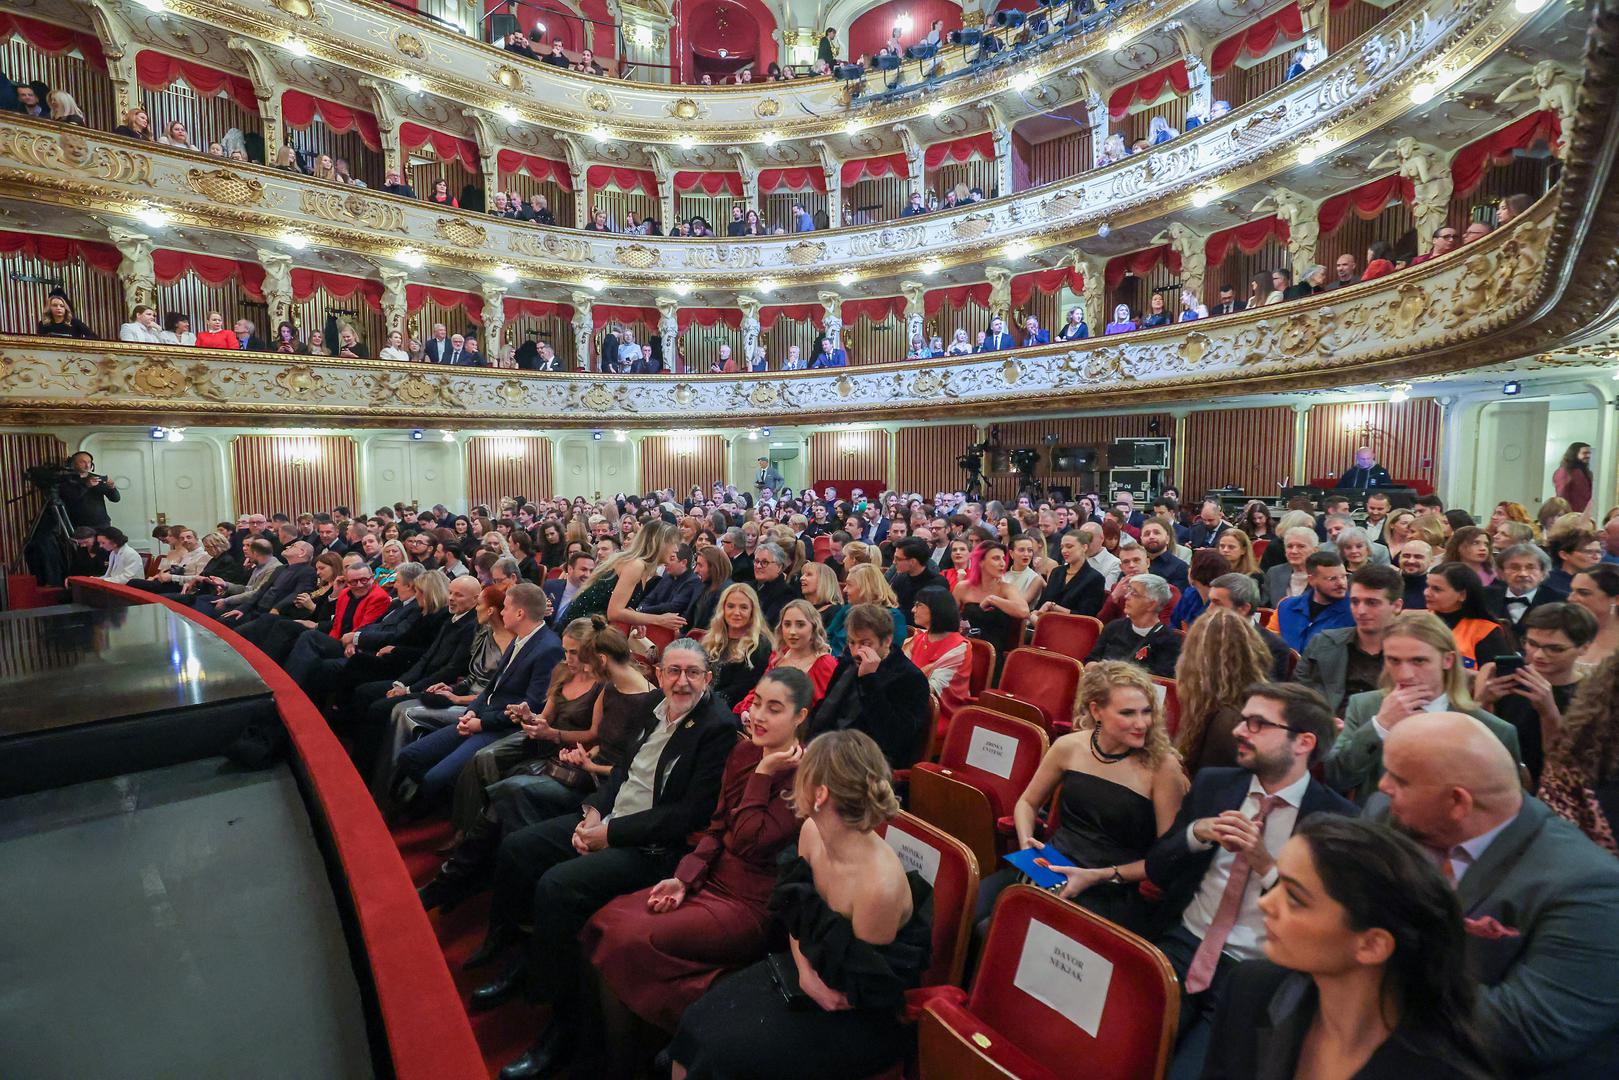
(631, 834)
(1455, 594)
(674, 590)
(1221, 657)
(360, 604)
(738, 644)
(1521, 586)
(1239, 593)
(1122, 784)
(216, 336)
(1140, 634)
(830, 356)
(937, 647)
(259, 559)
(1444, 242)
(384, 646)
(524, 675)
(137, 125)
(1192, 309)
(1535, 695)
(991, 606)
(1209, 526)
(660, 949)
(997, 337)
(1075, 328)
(1575, 550)
(1033, 335)
(770, 582)
(142, 327)
(1416, 556)
(1324, 605)
(876, 689)
(1217, 858)
(1156, 313)
(1207, 564)
(184, 561)
(177, 330)
(1345, 661)
(1159, 541)
(913, 571)
(1580, 779)
(1379, 261)
(1476, 230)
(801, 644)
(1539, 898)
(562, 591)
(1075, 587)
(124, 564)
(1365, 966)
(859, 930)
(58, 320)
(276, 595)
(1422, 673)
(1597, 591)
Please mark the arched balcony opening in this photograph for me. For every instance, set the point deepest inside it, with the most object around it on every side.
(722, 37)
(49, 57)
(870, 30)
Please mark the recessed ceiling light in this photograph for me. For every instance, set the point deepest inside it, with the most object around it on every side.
(1202, 197)
(1523, 7)
(682, 288)
(935, 108)
(601, 134)
(595, 284)
(509, 112)
(412, 259)
(413, 83)
(853, 127)
(686, 142)
(1423, 92)
(1022, 81)
(296, 241)
(506, 274)
(846, 279)
(152, 217)
(297, 47)
(769, 138)
(766, 285)
(930, 267)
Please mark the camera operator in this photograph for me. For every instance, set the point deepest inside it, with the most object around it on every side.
(85, 494)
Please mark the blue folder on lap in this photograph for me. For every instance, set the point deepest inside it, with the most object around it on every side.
(1025, 861)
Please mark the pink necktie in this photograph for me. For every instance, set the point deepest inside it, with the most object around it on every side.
(1201, 972)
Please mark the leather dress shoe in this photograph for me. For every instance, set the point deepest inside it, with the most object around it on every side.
(443, 893)
(549, 1054)
(494, 944)
(506, 988)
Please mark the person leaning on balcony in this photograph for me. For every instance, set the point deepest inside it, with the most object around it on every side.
(538, 211)
(1033, 335)
(1122, 323)
(556, 57)
(142, 327)
(1314, 281)
(1379, 261)
(395, 349)
(286, 341)
(1074, 329)
(394, 184)
(64, 109)
(136, 125)
(1347, 270)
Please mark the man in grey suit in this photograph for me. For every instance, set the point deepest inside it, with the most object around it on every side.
(1539, 899)
(1424, 672)
(768, 477)
(1344, 662)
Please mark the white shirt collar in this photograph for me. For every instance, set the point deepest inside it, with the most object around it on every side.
(1438, 704)
(1292, 794)
(1475, 848)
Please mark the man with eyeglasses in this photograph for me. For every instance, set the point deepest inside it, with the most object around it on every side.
(1220, 854)
(1444, 242)
(630, 834)
(1533, 695)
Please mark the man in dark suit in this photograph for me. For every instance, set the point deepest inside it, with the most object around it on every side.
(767, 477)
(1240, 593)
(1219, 855)
(876, 689)
(1076, 587)
(1033, 335)
(1206, 530)
(630, 834)
(1159, 544)
(913, 571)
(734, 543)
(1522, 585)
(562, 591)
(296, 576)
(1229, 304)
(1538, 899)
(433, 762)
(608, 363)
(676, 588)
(437, 349)
(997, 338)
(247, 339)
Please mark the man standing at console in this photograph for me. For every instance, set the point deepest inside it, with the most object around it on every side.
(1367, 473)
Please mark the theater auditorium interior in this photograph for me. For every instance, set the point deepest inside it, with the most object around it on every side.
(967, 540)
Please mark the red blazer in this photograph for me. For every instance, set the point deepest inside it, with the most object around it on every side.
(372, 607)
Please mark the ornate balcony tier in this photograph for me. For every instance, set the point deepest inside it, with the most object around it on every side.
(1338, 106)
(1502, 297)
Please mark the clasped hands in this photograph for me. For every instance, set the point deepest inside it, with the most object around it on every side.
(591, 832)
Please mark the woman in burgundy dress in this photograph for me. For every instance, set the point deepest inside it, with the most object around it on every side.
(661, 948)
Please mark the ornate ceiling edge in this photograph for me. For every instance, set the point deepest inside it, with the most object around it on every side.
(1448, 314)
(55, 164)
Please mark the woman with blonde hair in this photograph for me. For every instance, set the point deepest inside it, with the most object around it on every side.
(1222, 656)
(1238, 549)
(1276, 550)
(616, 585)
(820, 587)
(738, 644)
(1122, 784)
(1397, 532)
(800, 643)
(394, 556)
(865, 584)
(64, 109)
(855, 920)
(137, 125)
(860, 553)
(326, 169)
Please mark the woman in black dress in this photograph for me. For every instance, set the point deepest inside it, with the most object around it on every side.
(859, 934)
(1365, 973)
(1122, 785)
(992, 607)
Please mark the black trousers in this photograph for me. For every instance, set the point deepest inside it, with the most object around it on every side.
(313, 659)
(1179, 946)
(539, 876)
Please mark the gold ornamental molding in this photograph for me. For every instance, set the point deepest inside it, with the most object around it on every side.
(1459, 311)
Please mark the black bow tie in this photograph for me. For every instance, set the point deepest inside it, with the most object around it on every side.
(1521, 601)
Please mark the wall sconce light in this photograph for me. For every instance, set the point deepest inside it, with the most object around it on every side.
(683, 446)
(852, 442)
(300, 452)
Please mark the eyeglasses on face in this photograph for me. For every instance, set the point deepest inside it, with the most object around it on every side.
(1255, 724)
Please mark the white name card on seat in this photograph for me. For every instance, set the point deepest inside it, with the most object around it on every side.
(1065, 975)
(914, 854)
(992, 752)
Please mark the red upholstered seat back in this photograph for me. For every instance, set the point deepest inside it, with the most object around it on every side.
(983, 658)
(1172, 705)
(955, 890)
(1047, 679)
(1136, 1026)
(1003, 791)
(823, 547)
(1071, 635)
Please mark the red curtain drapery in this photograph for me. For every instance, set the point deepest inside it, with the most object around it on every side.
(61, 249)
(1045, 281)
(956, 296)
(472, 303)
(447, 147)
(1147, 88)
(1140, 263)
(170, 266)
(510, 161)
(52, 39)
(792, 312)
(1472, 161)
(878, 310)
(305, 283)
(873, 168)
(710, 183)
(963, 149)
(1367, 201)
(155, 71)
(1258, 39)
(625, 179)
(516, 308)
(1249, 237)
(606, 313)
(807, 179)
(300, 109)
(709, 316)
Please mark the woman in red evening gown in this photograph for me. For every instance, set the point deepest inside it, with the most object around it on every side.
(661, 948)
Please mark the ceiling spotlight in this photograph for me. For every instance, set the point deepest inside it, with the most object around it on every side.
(753, 434)
(509, 112)
(853, 127)
(846, 279)
(1513, 388)
(1016, 250)
(1202, 197)
(176, 434)
(1103, 229)
(935, 108)
(412, 259)
(416, 435)
(506, 274)
(297, 47)
(1523, 7)
(594, 284)
(930, 267)
(1022, 81)
(765, 432)
(1118, 39)
(159, 433)
(1308, 153)
(413, 83)
(766, 285)
(682, 288)
(296, 241)
(157, 7)
(619, 436)
(1400, 394)
(686, 142)
(152, 217)
(600, 134)
(540, 27)
(596, 435)
(1423, 92)
(769, 138)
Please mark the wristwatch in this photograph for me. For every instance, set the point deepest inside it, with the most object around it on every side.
(1117, 878)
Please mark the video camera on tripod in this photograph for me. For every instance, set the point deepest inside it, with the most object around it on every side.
(48, 546)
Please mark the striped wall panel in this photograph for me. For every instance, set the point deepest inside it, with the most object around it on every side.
(925, 457)
(1060, 158)
(89, 86)
(364, 163)
(1241, 85)
(963, 176)
(1405, 435)
(501, 465)
(875, 200)
(777, 207)
(18, 452)
(620, 204)
(26, 282)
(1096, 431)
(683, 461)
(1250, 448)
(1349, 23)
(869, 342)
(207, 119)
(551, 328)
(860, 454)
(290, 474)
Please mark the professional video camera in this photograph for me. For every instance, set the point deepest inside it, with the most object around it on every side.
(47, 477)
(971, 462)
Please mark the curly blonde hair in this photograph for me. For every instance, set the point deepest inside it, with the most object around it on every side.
(1223, 655)
(1096, 688)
